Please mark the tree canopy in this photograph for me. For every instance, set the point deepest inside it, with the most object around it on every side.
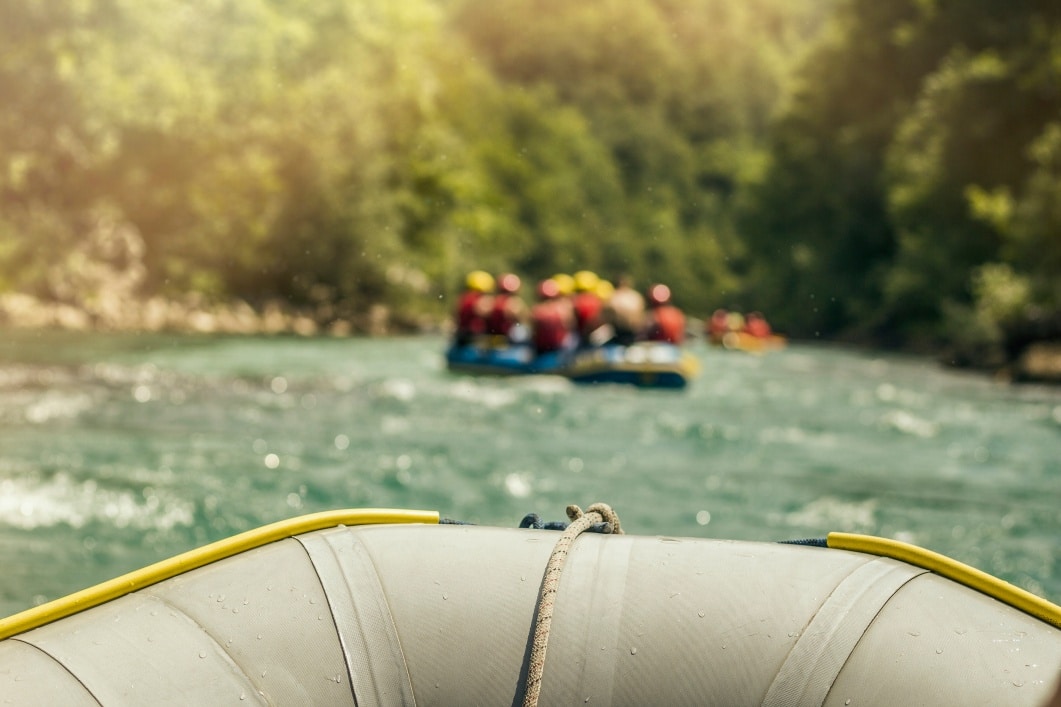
(905, 171)
(886, 170)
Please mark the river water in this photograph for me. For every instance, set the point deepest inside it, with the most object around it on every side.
(117, 451)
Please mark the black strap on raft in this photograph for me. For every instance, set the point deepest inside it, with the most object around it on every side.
(534, 521)
(812, 542)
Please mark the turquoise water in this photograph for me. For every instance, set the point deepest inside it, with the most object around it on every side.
(118, 451)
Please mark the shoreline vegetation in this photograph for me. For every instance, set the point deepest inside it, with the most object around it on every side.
(337, 166)
(190, 315)
(111, 311)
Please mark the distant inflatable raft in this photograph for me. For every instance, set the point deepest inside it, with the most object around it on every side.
(743, 341)
(416, 613)
(644, 364)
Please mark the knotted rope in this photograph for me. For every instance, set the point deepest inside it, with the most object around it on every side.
(580, 522)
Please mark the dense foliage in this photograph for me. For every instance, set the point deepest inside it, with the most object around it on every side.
(854, 167)
(913, 190)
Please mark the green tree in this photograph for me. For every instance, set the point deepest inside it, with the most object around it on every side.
(866, 219)
(342, 154)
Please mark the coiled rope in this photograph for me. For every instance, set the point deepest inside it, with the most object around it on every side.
(580, 522)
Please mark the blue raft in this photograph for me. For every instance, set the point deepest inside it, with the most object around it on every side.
(644, 364)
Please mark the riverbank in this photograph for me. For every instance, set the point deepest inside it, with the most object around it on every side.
(194, 314)
(1038, 362)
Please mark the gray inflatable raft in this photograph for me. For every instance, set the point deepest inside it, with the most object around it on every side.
(442, 615)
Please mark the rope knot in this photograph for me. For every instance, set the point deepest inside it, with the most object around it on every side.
(597, 513)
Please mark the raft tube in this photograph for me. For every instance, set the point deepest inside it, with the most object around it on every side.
(442, 615)
(644, 364)
(749, 343)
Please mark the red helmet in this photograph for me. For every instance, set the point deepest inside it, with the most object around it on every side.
(659, 294)
(508, 283)
(548, 289)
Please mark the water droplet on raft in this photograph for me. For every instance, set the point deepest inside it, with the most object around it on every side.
(847, 701)
(633, 650)
(700, 613)
(1018, 683)
(939, 651)
(202, 654)
(445, 597)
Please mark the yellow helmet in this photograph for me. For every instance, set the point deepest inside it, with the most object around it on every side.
(604, 290)
(480, 281)
(566, 283)
(586, 281)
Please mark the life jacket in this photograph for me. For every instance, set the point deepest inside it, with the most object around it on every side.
(667, 324)
(470, 322)
(550, 329)
(758, 328)
(501, 318)
(588, 308)
(718, 325)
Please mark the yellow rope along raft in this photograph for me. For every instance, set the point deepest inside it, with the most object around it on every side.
(199, 557)
(951, 569)
(580, 522)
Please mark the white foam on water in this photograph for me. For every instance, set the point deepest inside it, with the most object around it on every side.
(30, 504)
(796, 436)
(398, 388)
(908, 423)
(519, 484)
(829, 512)
(490, 397)
(547, 385)
(57, 405)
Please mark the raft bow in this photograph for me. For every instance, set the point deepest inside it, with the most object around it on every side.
(388, 607)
